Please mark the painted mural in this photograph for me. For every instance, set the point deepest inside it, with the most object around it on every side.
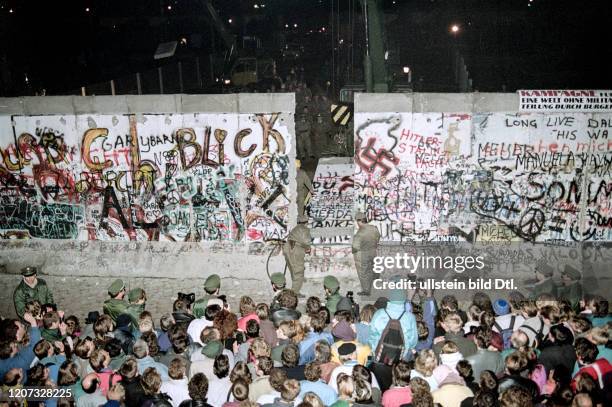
(174, 177)
(486, 177)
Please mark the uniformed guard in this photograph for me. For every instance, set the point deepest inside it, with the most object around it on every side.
(331, 285)
(571, 286)
(303, 186)
(278, 282)
(212, 287)
(295, 249)
(365, 243)
(137, 299)
(303, 128)
(544, 282)
(31, 288)
(115, 305)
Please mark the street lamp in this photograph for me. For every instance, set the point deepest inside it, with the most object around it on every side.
(454, 28)
(408, 73)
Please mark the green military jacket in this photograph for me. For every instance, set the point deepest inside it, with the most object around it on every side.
(332, 303)
(546, 286)
(199, 306)
(134, 311)
(572, 292)
(51, 335)
(24, 294)
(114, 307)
(301, 236)
(303, 185)
(366, 239)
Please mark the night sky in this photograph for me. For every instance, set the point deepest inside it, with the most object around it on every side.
(506, 44)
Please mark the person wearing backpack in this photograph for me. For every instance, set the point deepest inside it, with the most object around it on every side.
(508, 316)
(393, 335)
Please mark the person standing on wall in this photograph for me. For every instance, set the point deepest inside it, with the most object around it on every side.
(31, 288)
(365, 243)
(303, 186)
(295, 249)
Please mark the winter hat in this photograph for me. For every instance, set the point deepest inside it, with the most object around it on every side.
(343, 331)
(501, 307)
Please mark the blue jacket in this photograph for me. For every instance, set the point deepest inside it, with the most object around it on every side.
(408, 322)
(307, 346)
(429, 317)
(325, 392)
(148, 361)
(23, 359)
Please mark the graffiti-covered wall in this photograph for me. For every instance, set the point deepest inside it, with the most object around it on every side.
(466, 173)
(145, 177)
(161, 191)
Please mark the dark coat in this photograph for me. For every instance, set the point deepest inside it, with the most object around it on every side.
(194, 403)
(134, 393)
(553, 356)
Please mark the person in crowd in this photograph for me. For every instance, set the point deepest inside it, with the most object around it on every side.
(560, 351)
(290, 359)
(364, 245)
(123, 332)
(363, 326)
(100, 361)
(198, 392)
(514, 375)
(17, 343)
(151, 382)
(399, 393)
(210, 351)
(92, 396)
(248, 312)
(307, 345)
(113, 347)
(31, 288)
(516, 396)
(130, 379)
(288, 393)
(314, 384)
(176, 386)
(261, 382)
(145, 361)
(115, 305)
(277, 378)
(453, 328)
(180, 346)
(598, 368)
(346, 390)
(287, 308)
(267, 330)
(485, 358)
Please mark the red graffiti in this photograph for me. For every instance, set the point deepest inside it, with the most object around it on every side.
(369, 158)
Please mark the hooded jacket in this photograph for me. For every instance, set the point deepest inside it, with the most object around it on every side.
(408, 323)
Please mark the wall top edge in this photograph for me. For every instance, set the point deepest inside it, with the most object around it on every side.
(148, 104)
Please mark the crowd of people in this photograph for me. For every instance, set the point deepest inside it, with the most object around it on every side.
(405, 349)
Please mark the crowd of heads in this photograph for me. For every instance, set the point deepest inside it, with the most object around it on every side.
(518, 352)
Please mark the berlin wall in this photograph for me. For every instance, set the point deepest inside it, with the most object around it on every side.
(474, 168)
(159, 190)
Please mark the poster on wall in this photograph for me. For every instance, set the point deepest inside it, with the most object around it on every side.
(565, 100)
